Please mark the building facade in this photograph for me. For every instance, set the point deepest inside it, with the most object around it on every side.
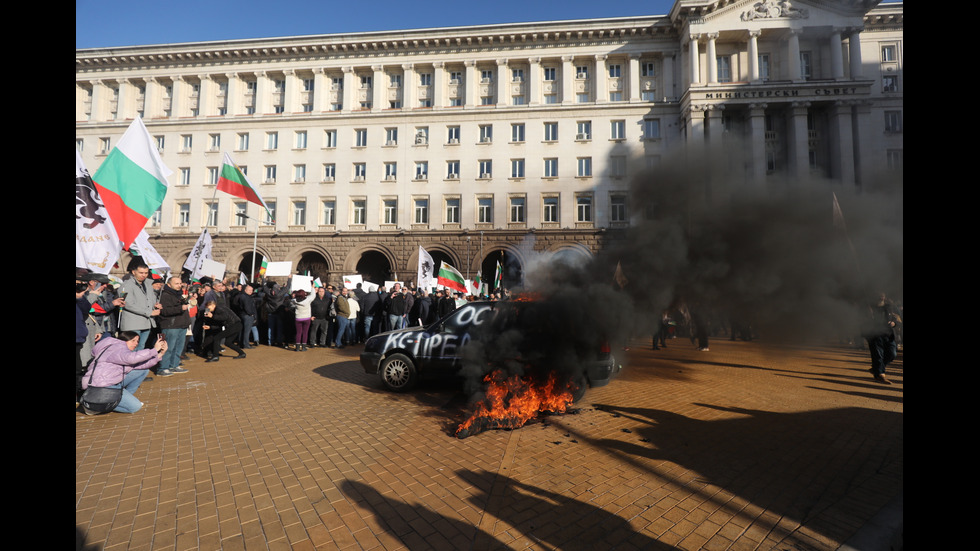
(492, 141)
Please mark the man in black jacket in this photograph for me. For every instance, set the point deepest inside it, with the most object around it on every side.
(246, 310)
(174, 321)
(320, 316)
(370, 303)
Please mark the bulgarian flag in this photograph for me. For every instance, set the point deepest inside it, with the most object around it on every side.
(498, 278)
(233, 181)
(132, 182)
(262, 269)
(449, 277)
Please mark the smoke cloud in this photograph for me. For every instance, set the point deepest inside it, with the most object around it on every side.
(705, 244)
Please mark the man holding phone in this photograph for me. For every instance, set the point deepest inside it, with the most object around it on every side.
(140, 302)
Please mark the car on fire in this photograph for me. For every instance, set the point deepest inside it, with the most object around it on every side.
(402, 357)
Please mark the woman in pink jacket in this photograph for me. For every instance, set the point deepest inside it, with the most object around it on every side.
(118, 364)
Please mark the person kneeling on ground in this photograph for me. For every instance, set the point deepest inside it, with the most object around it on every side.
(220, 323)
(120, 364)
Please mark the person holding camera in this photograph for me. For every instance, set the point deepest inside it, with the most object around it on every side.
(120, 363)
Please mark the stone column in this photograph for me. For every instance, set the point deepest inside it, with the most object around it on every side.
(793, 55)
(694, 60)
(600, 91)
(567, 80)
(409, 86)
(263, 93)
(379, 100)
(695, 126)
(841, 138)
(178, 98)
(757, 141)
(438, 84)
(470, 82)
(633, 75)
(321, 90)
(854, 50)
(205, 99)
(754, 56)
(235, 101)
(711, 58)
(716, 127)
(348, 92)
(502, 90)
(836, 54)
(290, 99)
(534, 81)
(100, 100)
(862, 141)
(126, 105)
(667, 75)
(152, 99)
(798, 138)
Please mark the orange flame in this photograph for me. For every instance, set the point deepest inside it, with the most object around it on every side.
(512, 401)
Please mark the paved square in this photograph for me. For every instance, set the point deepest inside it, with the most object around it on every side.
(747, 446)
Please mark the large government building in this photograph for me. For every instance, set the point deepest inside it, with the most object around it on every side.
(491, 141)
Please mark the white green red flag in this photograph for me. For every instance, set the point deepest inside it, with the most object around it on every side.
(449, 277)
(498, 278)
(265, 265)
(233, 181)
(132, 182)
(474, 285)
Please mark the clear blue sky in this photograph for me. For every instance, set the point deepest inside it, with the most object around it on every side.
(108, 23)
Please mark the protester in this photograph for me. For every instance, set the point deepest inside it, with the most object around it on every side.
(220, 324)
(246, 310)
(140, 302)
(302, 302)
(174, 320)
(879, 331)
(275, 306)
(343, 316)
(320, 318)
(120, 363)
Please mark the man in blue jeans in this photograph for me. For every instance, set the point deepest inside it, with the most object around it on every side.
(174, 321)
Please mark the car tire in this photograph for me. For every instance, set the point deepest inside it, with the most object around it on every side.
(579, 392)
(398, 373)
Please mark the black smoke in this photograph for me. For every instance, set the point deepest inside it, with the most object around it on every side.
(705, 245)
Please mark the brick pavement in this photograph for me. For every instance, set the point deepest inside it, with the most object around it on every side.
(747, 446)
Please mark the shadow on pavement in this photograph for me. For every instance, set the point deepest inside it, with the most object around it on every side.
(794, 464)
(549, 519)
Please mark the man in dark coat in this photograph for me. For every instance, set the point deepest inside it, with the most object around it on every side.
(174, 320)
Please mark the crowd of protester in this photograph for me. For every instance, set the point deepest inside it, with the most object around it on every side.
(178, 320)
(150, 322)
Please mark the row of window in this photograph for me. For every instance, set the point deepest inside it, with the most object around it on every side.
(484, 208)
(454, 134)
(550, 169)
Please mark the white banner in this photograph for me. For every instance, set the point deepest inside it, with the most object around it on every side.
(351, 281)
(302, 282)
(96, 244)
(426, 276)
(212, 269)
(141, 246)
(278, 269)
(201, 251)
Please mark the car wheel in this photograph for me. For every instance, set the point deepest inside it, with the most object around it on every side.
(579, 392)
(398, 373)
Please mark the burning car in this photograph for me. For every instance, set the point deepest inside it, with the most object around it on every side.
(522, 337)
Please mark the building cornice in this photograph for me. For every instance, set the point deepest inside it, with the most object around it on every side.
(417, 41)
